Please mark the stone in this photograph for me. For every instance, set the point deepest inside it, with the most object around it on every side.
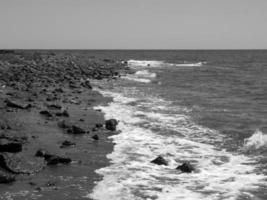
(95, 137)
(64, 113)
(159, 161)
(186, 167)
(54, 160)
(10, 146)
(76, 130)
(13, 104)
(111, 124)
(66, 143)
(46, 113)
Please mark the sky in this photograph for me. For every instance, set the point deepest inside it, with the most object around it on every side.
(133, 24)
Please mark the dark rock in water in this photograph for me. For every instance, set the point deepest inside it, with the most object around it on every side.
(98, 125)
(6, 178)
(54, 106)
(46, 113)
(111, 124)
(95, 137)
(13, 104)
(67, 143)
(10, 146)
(54, 160)
(76, 130)
(186, 167)
(64, 113)
(159, 161)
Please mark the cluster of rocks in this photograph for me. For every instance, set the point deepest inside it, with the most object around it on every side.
(47, 83)
(185, 167)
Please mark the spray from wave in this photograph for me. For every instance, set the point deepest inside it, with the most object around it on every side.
(256, 142)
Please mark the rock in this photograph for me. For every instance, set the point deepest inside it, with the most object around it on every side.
(62, 124)
(67, 143)
(46, 113)
(44, 154)
(6, 178)
(86, 84)
(13, 104)
(98, 125)
(111, 124)
(64, 113)
(159, 161)
(186, 167)
(95, 137)
(20, 163)
(10, 146)
(54, 106)
(54, 160)
(76, 130)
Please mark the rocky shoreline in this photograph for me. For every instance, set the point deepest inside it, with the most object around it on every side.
(51, 138)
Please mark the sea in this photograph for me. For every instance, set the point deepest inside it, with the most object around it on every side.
(206, 107)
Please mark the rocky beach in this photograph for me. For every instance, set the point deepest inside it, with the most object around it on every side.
(51, 138)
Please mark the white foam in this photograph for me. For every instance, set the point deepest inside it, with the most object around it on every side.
(133, 78)
(131, 176)
(144, 63)
(154, 63)
(146, 74)
(257, 141)
(198, 64)
(143, 76)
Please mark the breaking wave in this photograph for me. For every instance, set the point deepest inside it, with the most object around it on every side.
(143, 76)
(131, 176)
(255, 142)
(154, 63)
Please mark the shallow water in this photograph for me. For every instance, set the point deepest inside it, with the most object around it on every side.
(206, 107)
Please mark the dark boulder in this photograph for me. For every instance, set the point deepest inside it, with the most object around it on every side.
(10, 146)
(98, 125)
(76, 130)
(64, 113)
(46, 113)
(54, 160)
(159, 161)
(13, 104)
(95, 137)
(44, 154)
(111, 124)
(6, 178)
(54, 106)
(186, 167)
(66, 143)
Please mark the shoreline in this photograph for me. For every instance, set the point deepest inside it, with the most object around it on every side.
(47, 103)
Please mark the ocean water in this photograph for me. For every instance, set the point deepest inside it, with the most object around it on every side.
(205, 107)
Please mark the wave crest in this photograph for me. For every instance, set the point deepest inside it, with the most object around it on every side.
(255, 142)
